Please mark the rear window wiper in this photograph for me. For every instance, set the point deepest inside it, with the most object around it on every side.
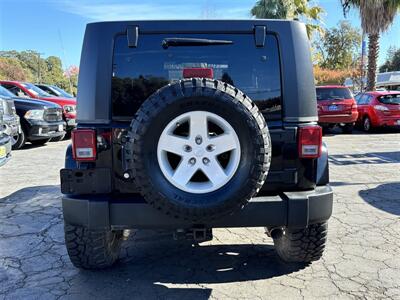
(176, 42)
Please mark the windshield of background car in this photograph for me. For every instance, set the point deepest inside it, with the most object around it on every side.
(6, 93)
(139, 72)
(35, 90)
(390, 99)
(333, 94)
(62, 92)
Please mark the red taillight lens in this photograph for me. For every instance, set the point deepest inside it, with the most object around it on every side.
(310, 141)
(84, 144)
(198, 72)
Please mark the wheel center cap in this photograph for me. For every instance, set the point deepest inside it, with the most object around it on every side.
(199, 152)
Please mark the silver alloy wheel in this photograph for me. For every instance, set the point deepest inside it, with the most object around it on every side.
(209, 146)
(14, 139)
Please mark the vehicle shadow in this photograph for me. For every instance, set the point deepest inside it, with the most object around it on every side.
(385, 197)
(28, 146)
(151, 265)
(155, 262)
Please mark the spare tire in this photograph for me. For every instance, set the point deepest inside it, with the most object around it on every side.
(198, 149)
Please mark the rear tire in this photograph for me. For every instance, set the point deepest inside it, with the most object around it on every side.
(40, 142)
(20, 141)
(88, 249)
(348, 128)
(302, 245)
(367, 125)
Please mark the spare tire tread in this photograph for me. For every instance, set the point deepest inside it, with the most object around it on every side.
(189, 88)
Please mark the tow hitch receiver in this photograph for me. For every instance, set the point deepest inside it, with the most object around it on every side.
(195, 234)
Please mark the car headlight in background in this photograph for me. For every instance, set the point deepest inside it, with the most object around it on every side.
(35, 114)
(69, 108)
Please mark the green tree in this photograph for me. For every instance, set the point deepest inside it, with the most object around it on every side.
(29, 66)
(12, 69)
(339, 47)
(290, 9)
(392, 62)
(30, 60)
(376, 17)
(54, 73)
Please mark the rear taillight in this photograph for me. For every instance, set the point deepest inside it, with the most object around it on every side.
(84, 144)
(310, 141)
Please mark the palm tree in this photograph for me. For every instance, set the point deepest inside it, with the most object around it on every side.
(289, 9)
(376, 17)
(270, 9)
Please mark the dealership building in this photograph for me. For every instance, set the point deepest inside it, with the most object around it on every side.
(387, 80)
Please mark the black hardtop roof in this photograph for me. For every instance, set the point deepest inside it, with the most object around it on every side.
(94, 91)
(245, 25)
(185, 21)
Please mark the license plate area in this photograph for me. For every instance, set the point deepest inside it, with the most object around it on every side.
(333, 108)
(80, 182)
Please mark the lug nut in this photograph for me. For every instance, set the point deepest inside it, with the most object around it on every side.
(210, 148)
(187, 148)
(192, 161)
(206, 161)
(198, 140)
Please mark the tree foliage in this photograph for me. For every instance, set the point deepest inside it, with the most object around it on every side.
(290, 9)
(29, 66)
(339, 47)
(392, 62)
(328, 76)
(12, 69)
(376, 17)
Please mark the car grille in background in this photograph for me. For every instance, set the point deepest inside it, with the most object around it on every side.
(52, 114)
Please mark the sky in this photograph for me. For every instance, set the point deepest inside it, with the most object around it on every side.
(56, 27)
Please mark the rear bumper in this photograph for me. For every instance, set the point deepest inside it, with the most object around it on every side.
(290, 209)
(390, 121)
(339, 118)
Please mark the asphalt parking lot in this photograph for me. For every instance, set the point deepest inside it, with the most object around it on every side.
(361, 260)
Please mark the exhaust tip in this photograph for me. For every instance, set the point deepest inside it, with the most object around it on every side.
(276, 233)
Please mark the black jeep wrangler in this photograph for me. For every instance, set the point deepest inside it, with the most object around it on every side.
(192, 125)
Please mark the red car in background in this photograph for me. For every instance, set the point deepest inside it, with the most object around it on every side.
(29, 90)
(378, 109)
(336, 106)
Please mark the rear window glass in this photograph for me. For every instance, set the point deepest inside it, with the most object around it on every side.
(390, 99)
(139, 72)
(333, 93)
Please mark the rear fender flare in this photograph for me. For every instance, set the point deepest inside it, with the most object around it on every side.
(70, 163)
(323, 166)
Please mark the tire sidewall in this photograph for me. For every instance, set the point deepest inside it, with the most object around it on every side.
(367, 129)
(236, 117)
(21, 140)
